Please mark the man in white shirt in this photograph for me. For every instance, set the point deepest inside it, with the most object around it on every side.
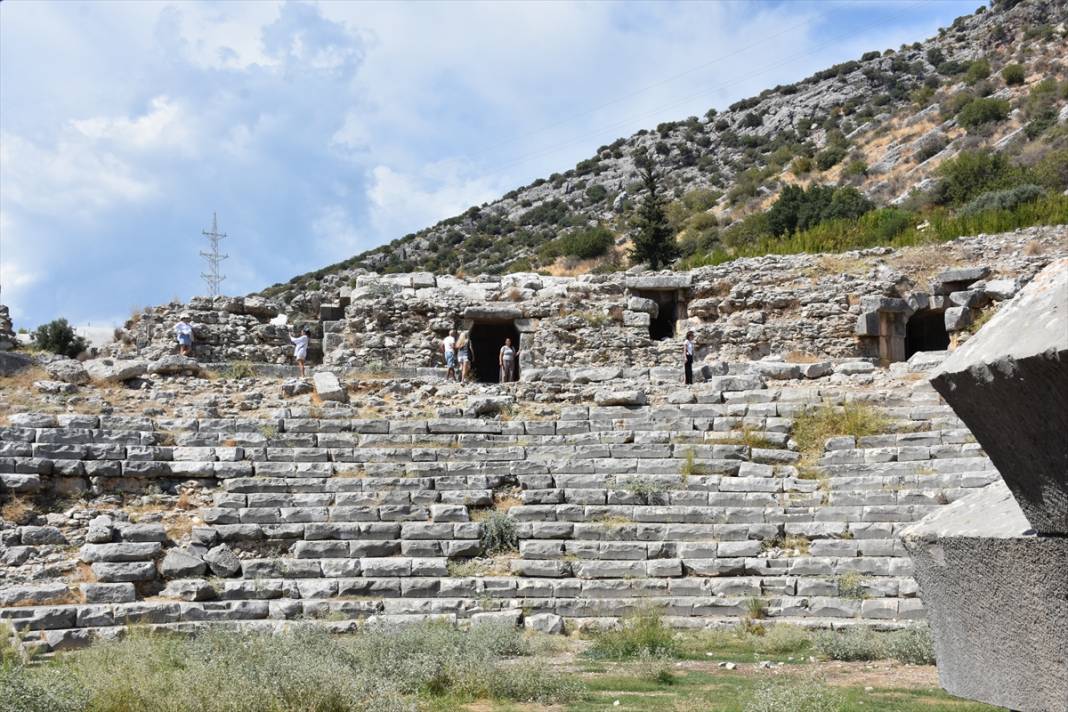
(687, 354)
(184, 331)
(448, 348)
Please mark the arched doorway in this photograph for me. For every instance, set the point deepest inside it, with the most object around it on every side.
(926, 331)
(487, 338)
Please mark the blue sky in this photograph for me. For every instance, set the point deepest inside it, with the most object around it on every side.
(318, 131)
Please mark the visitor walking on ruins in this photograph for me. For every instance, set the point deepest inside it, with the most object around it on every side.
(300, 348)
(184, 331)
(463, 356)
(687, 354)
(448, 348)
(506, 360)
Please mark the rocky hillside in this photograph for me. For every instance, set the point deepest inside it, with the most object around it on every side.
(883, 124)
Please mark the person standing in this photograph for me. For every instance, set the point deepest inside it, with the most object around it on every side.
(687, 355)
(300, 348)
(183, 330)
(448, 348)
(506, 361)
(463, 356)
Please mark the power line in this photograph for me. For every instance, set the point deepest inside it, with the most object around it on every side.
(212, 277)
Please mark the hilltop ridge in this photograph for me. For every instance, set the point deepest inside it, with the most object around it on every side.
(882, 124)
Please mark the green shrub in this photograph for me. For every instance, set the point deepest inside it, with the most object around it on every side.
(499, 534)
(642, 634)
(239, 369)
(596, 193)
(830, 157)
(801, 165)
(1013, 74)
(1051, 170)
(977, 70)
(911, 645)
(914, 646)
(58, 337)
(969, 174)
(1007, 199)
(857, 168)
(804, 695)
(799, 209)
(588, 243)
(979, 112)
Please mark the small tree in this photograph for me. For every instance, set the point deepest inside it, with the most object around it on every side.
(655, 242)
(58, 337)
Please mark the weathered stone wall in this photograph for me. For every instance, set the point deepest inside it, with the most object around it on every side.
(848, 305)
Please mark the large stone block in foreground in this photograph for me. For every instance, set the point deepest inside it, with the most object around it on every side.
(1009, 384)
(996, 596)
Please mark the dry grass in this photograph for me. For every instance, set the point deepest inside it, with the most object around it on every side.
(802, 357)
(20, 510)
(498, 565)
(351, 474)
(1034, 248)
(813, 427)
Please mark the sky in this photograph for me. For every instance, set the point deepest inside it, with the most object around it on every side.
(319, 130)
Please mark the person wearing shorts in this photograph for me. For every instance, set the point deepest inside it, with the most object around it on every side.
(300, 348)
(183, 330)
(463, 356)
(448, 349)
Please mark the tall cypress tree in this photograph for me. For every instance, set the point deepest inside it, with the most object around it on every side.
(654, 243)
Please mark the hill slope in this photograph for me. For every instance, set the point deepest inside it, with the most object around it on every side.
(883, 124)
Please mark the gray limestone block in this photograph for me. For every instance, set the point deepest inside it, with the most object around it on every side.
(124, 551)
(223, 561)
(122, 592)
(179, 564)
(957, 318)
(328, 388)
(117, 572)
(144, 532)
(35, 536)
(996, 596)
(1009, 384)
(189, 590)
(545, 623)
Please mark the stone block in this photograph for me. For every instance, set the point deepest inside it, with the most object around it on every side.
(117, 572)
(1009, 384)
(328, 388)
(179, 564)
(957, 318)
(996, 596)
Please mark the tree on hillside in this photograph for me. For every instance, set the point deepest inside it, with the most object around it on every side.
(654, 243)
(58, 337)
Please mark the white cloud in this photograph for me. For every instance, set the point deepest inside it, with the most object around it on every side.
(401, 202)
(165, 126)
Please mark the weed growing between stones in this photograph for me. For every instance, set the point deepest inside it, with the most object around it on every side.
(377, 670)
(814, 426)
(239, 369)
(499, 534)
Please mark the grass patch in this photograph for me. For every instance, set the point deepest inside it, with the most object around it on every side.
(814, 426)
(239, 369)
(499, 534)
(377, 670)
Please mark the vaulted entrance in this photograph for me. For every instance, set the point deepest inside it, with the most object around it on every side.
(662, 326)
(487, 338)
(926, 331)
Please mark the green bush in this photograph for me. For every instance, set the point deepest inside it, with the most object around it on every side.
(58, 337)
(979, 112)
(1007, 199)
(499, 534)
(794, 695)
(911, 645)
(588, 243)
(799, 209)
(977, 70)
(1013, 74)
(970, 173)
(830, 157)
(596, 193)
(642, 634)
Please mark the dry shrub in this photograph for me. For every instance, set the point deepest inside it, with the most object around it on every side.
(1034, 248)
(19, 510)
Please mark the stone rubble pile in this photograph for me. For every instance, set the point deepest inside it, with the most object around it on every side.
(7, 331)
